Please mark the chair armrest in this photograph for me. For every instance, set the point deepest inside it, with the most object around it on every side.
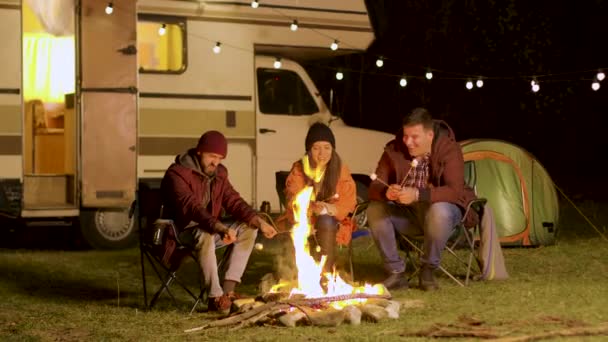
(476, 205)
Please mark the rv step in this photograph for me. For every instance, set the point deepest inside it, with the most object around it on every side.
(48, 191)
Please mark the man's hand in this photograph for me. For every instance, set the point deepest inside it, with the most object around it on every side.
(268, 230)
(230, 236)
(407, 195)
(392, 193)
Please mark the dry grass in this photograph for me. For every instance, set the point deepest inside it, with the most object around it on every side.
(95, 295)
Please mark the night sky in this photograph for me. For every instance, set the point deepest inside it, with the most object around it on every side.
(562, 43)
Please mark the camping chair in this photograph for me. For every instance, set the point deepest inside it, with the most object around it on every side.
(153, 232)
(359, 221)
(462, 238)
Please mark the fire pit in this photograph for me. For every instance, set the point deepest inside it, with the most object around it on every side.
(314, 297)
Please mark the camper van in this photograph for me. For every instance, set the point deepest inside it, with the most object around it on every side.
(97, 97)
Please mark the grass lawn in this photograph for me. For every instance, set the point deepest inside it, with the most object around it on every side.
(64, 295)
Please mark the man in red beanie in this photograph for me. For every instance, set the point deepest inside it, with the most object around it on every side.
(195, 189)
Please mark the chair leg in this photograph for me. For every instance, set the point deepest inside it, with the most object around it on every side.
(350, 261)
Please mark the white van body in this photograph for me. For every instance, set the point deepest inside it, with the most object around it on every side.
(127, 127)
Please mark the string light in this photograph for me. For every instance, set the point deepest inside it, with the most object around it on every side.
(294, 25)
(535, 85)
(217, 48)
(334, 45)
(109, 8)
(380, 60)
(162, 30)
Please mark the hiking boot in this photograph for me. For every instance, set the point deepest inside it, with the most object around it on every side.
(220, 304)
(427, 280)
(395, 281)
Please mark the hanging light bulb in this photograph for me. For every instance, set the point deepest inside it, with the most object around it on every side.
(277, 63)
(339, 75)
(469, 85)
(479, 83)
(334, 45)
(533, 82)
(429, 74)
(217, 48)
(600, 75)
(595, 85)
(535, 86)
(109, 8)
(255, 4)
(403, 82)
(294, 25)
(379, 62)
(162, 30)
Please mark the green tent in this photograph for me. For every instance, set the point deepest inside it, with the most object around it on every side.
(518, 189)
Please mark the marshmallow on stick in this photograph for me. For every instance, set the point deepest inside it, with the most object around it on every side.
(413, 165)
(374, 177)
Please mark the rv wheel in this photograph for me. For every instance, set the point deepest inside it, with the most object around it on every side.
(361, 215)
(109, 228)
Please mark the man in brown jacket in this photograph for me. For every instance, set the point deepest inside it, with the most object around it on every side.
(425, 168)
(195, 189)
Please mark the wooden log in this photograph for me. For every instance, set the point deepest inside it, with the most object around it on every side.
(373, 313)
(235, 319)
(352, 315)
(242, 304)
(290, 319)
(327, 318)
(392, 309)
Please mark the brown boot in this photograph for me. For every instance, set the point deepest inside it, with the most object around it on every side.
(220, 304)
(427, 280)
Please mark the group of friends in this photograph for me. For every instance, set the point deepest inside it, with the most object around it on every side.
(419, 190)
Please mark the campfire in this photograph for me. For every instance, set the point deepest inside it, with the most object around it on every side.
(313, 297)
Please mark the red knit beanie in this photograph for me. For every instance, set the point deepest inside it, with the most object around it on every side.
(213, 142)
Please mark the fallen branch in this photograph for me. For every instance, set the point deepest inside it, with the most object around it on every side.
(253, 320)
(601, 329)
(323, 300)
(439, 330)
(234, 319)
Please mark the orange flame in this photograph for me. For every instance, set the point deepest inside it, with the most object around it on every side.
(309, 271)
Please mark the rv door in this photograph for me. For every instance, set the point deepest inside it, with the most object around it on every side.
(286, 104)
(108, 104)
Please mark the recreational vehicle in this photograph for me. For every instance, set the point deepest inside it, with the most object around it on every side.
(97, 97)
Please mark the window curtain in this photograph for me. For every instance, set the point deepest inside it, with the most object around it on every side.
(56, 16)
(48, 67)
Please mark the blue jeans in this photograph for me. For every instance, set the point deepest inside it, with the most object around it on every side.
(436, 221)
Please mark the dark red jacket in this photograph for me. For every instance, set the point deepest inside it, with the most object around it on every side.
(182, 190)
(446, 173)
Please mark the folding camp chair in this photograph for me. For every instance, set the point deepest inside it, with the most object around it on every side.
(462, 238)
(154, 231)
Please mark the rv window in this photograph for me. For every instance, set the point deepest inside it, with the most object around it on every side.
(161, 45)
(284, 92)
